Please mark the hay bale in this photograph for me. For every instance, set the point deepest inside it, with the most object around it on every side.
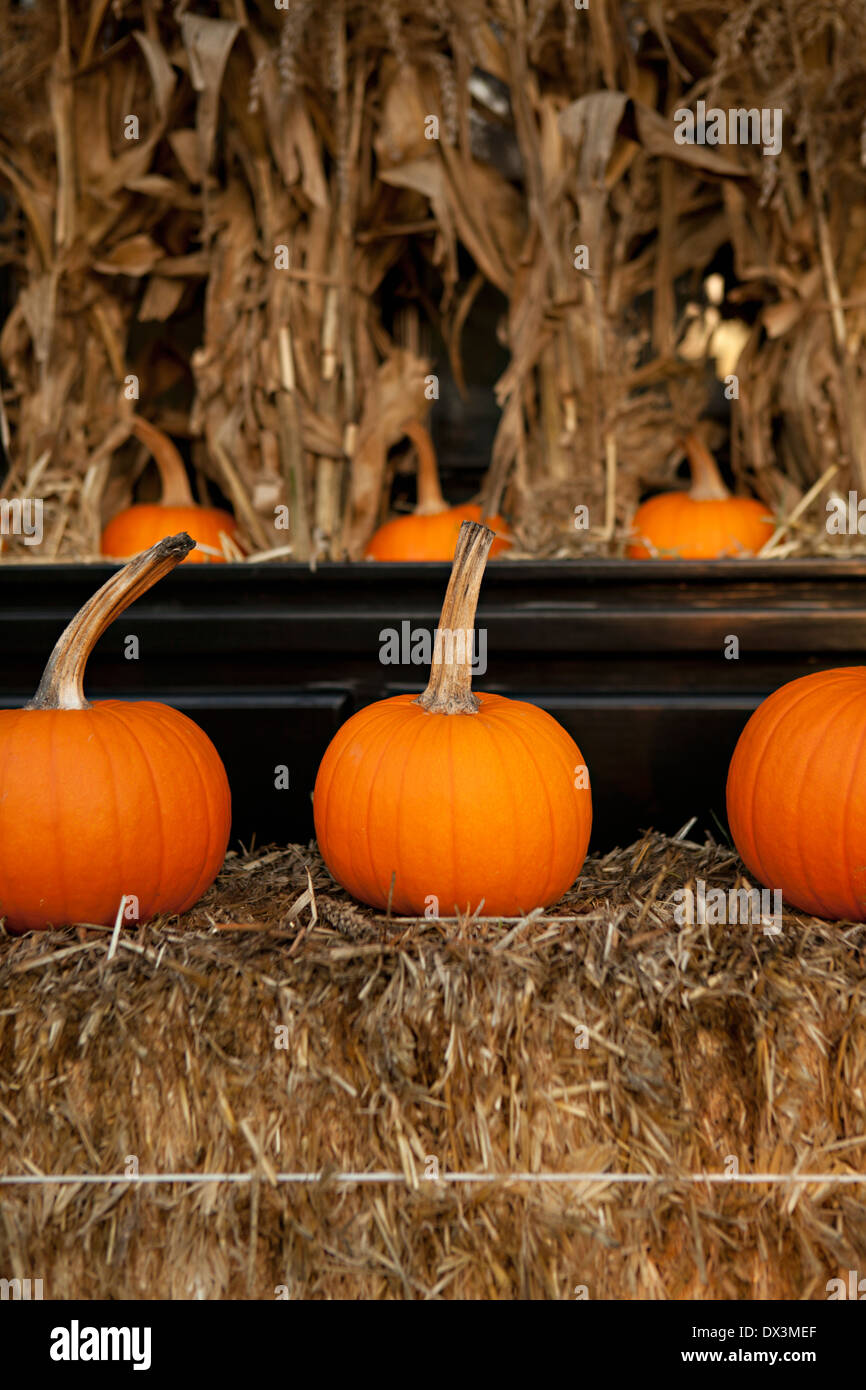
(409, 1041)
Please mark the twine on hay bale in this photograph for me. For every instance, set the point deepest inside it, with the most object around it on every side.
(452, 1040)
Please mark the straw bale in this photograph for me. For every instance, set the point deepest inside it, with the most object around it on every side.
(408, 1041)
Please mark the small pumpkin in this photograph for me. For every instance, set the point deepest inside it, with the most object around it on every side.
(110, 800)
(452, 797)
(796, 793)
(430, 532)
(140, 526)
(704, 523)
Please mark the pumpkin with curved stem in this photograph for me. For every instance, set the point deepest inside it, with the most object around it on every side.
(430, 533)
(704, 523)
(139, 526)
(796, 793)
(110, 800)
(450, 797)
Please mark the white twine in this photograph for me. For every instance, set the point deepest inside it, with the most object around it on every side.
(361, 1179)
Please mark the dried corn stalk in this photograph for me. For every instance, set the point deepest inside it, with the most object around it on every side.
(204, 216)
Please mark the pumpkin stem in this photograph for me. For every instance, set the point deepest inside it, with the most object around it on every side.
(430, 499)
(449, 690)
(61, 686)
(707, 484)
(175, 483)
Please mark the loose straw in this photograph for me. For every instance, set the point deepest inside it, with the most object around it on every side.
(804, 502)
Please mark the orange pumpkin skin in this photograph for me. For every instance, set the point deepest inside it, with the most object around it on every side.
(432, 537)
(464, 807)
(139, 527)
(680, 527)
(116, 799)
(796, 793)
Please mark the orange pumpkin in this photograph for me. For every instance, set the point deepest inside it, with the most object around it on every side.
(796, 793)
(140, 526)
(111, 800)
(705, 523)
(430, 533)
(452, 800)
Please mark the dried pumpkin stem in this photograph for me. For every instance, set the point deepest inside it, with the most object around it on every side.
(175, 483)
(430, 499)
(61, 686)
(707, 484)
(449, 690)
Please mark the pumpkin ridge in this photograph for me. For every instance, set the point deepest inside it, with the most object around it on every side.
(169, 734)
(367, 779)
(452, 764)
(378, 749)
(218, 831)
(849, 792)
(556, 748)
(3, 770)
(324, 800)
(409, 752)
(57, 838)
(514, 866)
(555, 734)
(154, 715)
(98, 736)
(192, 752)
(513, 734)
(767, 736)
(819, 734)
(128, 732)
(322, 794)
(835, 716)
(752, 819)
(380, 716)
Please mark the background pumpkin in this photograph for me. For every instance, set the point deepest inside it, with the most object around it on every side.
(796, 793)
(142, 525)
(452, 796)
(431, 531)
(704, 523)
(102, 801)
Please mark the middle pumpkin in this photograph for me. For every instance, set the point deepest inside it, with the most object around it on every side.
(449, 801)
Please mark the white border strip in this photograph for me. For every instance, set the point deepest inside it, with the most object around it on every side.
(384, 1177)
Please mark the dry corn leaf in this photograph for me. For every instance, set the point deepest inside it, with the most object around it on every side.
(208, 43)
(135, 256)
